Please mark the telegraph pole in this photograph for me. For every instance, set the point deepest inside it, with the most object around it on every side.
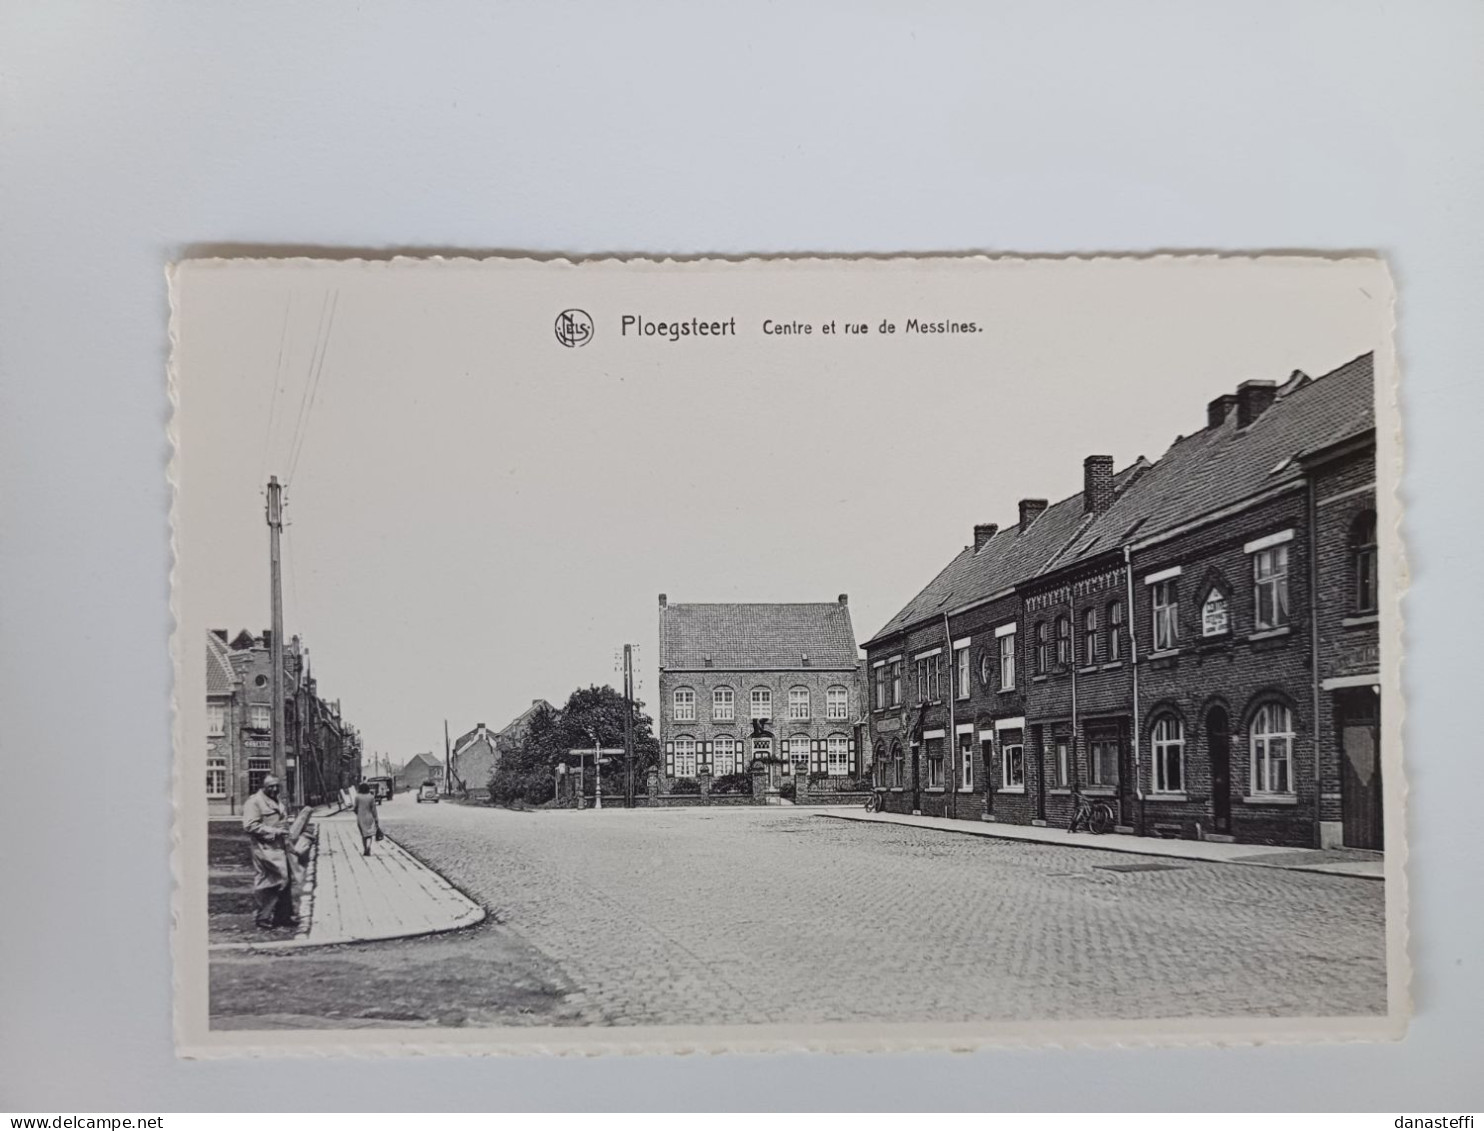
(275, 650)
(628, 725)
(447, 762)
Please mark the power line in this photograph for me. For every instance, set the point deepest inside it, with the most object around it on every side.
(283, 335)
(312, 388)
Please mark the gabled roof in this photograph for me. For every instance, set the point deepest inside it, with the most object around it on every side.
(1200, 474)
(1218, 467)
(424, 760)
(525, 716)
(1010, 557)
(480, 732)
(757, 637)
(220, 677)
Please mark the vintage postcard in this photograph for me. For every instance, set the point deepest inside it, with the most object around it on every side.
(837, 654)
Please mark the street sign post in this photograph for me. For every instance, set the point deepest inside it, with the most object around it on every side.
(601, 756)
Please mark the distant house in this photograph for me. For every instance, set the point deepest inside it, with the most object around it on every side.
(771, 683)
(474, 758)
(421, 768)
(509, 739)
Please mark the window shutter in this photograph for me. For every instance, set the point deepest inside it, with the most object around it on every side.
(850, 749)
(669, 759)
(814, 756)
(705, 755)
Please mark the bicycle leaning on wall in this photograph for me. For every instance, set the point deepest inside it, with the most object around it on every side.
(1094, 816)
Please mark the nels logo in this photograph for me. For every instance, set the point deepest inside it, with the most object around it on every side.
(574, 328)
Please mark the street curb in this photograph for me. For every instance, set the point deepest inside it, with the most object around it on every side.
(301, 941)
(976, 831)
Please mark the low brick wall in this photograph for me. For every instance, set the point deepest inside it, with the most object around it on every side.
(840, 798)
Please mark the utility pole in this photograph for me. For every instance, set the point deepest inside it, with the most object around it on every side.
(275, 650)
(447, 762)
(628, 725)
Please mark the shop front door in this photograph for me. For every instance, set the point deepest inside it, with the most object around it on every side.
(1358, 714)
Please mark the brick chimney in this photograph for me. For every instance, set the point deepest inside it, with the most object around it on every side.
(664, 600)
(1030, 510)
(1218, 410)
(1097, 484)
(1253, 399)
(844, 598)
(983, 532)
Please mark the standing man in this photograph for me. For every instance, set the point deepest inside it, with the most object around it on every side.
(264, 818)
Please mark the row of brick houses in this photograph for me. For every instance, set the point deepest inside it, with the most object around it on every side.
(322, 752)
(1194, 640)
(476, 753)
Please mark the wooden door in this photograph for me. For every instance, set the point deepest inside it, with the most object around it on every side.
(1359, 718)
(1219, 749)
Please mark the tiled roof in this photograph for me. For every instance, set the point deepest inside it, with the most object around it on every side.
(1011, 556)
(524, 716)
(219, 674)
(758, 637)
(1217, 467)
(1201, 473)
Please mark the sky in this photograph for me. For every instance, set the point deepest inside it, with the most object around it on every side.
(479, 517)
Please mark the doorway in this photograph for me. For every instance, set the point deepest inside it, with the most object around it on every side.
(1358, 719)
(1219, 745)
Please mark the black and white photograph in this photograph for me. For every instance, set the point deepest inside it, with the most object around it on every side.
(824, 653)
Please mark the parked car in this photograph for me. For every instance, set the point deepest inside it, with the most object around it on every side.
(428, 791)
(381, 787)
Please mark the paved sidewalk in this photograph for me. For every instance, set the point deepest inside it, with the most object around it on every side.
(1352, 862)
(350, 897)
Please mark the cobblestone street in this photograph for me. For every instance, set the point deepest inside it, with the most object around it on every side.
(781, 915)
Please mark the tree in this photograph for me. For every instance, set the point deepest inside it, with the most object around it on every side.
(591, 714)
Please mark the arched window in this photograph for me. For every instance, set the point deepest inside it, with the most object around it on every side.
(685, 756)
(724, 755)
(1214, 617)
(761, 703)
(1043, 651)
(798, 752)
(837, 755)
(898, 765)
(723, 705)
(1063, 642)
(1363, 563)
(685, 705)
(1272, 749)
(1167, 739)
(879, 766)
(837, 703)
(1091, 649)
(798, 703)
(1115, 630)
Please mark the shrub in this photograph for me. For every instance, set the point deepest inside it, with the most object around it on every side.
(685, 785)
(732, 783)
(788, 791)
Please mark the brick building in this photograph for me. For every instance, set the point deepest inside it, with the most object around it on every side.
(1155, 640)
(776, 684)
(473, 761)
(322, 752)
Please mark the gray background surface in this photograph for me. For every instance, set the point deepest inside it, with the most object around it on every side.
(134, 133)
